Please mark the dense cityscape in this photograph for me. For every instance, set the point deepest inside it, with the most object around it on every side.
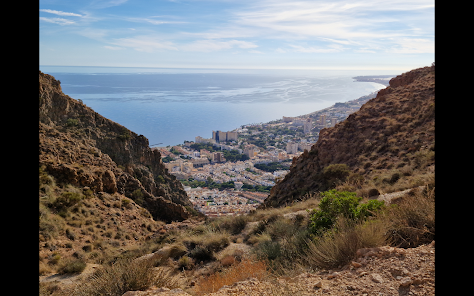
(231, 173)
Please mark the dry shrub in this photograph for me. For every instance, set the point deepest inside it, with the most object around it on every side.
(126, 275)
(72, 265)
(336, 248)
(235, 273)
(233, 225)
(412, 220)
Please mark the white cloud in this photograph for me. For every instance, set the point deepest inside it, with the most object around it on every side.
(57, 20)
(214, 45)
(413, 45)
(112, 47)
(107, 3)
(329, 49)
(57, 12)
(153, 21)
(354, 23)
(144, 43)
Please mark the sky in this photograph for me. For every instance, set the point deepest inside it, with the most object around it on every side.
(243, 34)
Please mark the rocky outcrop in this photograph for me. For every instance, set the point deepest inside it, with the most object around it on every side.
(80, 147)
(390, 131)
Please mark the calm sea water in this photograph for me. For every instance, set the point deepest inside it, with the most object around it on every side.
(169, 106)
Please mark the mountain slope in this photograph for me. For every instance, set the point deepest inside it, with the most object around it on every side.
(390, 134)
(80, 147)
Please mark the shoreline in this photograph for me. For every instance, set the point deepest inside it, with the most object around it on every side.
(361, 100)
(380, 79)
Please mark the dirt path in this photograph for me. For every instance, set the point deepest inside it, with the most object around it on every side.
(67, 279)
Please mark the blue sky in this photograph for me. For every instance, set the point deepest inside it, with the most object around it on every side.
(248, 34)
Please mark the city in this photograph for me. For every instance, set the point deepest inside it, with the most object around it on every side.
(232, 172)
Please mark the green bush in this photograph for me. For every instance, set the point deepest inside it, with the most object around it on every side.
(66, 200)
(125, 135)
(201, 253)
(336, 171)
(340, 203)
(234, 225)
(72, 266)
(137, 196)
(72, 122)
(270, 250)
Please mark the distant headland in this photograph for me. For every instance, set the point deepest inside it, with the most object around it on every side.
(382, 79)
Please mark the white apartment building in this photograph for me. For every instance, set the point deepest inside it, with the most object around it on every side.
(291, 148)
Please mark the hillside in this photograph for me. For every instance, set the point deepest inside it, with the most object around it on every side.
(100, 232)
(387, 145)
(100, 185)
(115, 159)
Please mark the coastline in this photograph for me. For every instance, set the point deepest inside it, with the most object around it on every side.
(380, 79)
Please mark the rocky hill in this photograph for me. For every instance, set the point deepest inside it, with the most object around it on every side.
(80, 147)
(389, 138)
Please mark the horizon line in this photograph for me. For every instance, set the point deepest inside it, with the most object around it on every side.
(246, 68)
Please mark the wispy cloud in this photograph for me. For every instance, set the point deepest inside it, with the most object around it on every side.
(413, 45)
(357, 22)
(311, 49)
(57, 20)
(153, 20)
(214, 45)
(112, 47)
(106, 3)
(144, 43)
(62, 13)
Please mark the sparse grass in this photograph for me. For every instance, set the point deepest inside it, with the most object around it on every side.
(234, 225)
(237, 272)
(412, 221)
(204, 245)
(72, 266)
(336, 248)
(126, 275)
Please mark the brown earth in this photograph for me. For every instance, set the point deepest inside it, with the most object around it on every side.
(81, 147)
(102, 189)
(375, 271)
(393, 131)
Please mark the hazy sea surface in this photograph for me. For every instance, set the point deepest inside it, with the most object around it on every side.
(169, 106)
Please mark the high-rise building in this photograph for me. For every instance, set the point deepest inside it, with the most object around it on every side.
(215, 136)
(308, 125)
(323, 120)
(231, 136)
(291, 147)
(220, 136)
(333, 121)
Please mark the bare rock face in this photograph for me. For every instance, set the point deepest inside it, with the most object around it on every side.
(387, 130)
(80, 147)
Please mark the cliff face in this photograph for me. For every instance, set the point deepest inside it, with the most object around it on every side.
(83, 148)
(393, 130)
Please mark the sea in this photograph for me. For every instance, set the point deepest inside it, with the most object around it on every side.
(169, 106)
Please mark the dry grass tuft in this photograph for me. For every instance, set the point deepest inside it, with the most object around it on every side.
(126, 275)
(412, 221)
(236, 273)
(336, 248)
